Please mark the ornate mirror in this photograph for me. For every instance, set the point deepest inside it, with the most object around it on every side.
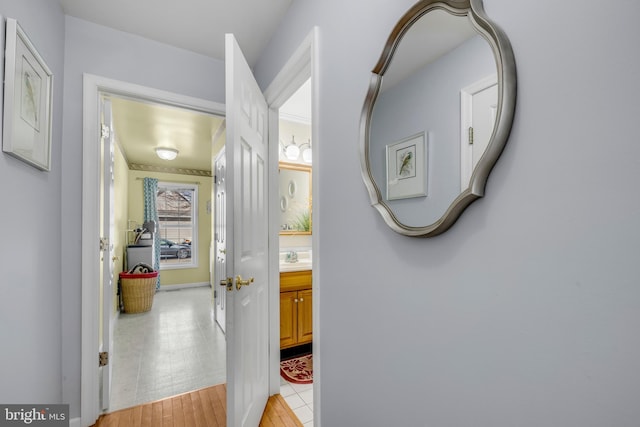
(437, 115)
(295, 198)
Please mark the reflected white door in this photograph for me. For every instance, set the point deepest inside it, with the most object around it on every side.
(247, 318)
(220, 235)
(485, 105)
(479, 104)
(107, 253)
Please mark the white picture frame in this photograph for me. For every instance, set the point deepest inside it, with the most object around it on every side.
(406, 168)
(28, 87)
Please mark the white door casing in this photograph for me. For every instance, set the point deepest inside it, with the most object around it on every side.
(247, 242)
(478, 103)
(220, 240)
(107, 255)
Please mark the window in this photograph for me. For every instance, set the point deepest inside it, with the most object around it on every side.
(178, 224)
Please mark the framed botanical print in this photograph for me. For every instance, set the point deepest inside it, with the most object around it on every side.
(406, 162)
(27, 118)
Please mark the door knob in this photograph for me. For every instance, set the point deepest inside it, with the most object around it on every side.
(228, 282)
(240, 283)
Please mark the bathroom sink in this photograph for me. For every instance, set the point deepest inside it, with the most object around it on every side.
(303, 261)
(295, 266)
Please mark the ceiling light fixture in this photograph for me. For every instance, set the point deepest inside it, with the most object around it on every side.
(167, 153)
(306, 153)
(292, 151)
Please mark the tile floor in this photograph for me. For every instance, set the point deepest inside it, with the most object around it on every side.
(177, 347)
(299, 397)
(174, 348)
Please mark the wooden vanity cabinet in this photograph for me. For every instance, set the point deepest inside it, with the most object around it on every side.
(296, 324)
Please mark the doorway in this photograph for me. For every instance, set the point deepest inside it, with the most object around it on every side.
(157, 355)
(93, 382)
(300, 69)
(295, 251)
(175, 347)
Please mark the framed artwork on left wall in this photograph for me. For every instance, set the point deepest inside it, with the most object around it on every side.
(28, 88)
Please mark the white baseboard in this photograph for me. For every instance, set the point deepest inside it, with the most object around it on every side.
(74, 422)
(184, 286)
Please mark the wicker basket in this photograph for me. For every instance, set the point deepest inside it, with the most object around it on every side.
(137, 291)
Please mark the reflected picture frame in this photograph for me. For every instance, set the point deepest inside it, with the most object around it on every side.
(28, 88)
(406, 168)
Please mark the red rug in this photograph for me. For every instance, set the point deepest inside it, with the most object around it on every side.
(298, 370)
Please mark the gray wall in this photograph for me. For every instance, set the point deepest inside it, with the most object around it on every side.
(113, 54)
(404, 110)
(526, 312)
(30, 287)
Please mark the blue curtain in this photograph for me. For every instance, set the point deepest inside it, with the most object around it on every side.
(151, 214)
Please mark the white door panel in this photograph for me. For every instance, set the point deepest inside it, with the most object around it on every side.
(246, 231)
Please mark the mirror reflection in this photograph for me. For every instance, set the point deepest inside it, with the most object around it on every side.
(420, 101)
(295, 198)
(437, 115)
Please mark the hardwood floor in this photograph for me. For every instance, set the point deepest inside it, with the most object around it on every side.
(279, 414)
(200, 408)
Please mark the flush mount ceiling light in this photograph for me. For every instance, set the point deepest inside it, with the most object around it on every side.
(167, 153)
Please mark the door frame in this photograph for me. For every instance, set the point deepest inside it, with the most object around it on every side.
(93, 87)
(301, 65)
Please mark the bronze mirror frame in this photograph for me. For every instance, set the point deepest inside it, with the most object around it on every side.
(506, 74)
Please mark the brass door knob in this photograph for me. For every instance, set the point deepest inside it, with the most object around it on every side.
(240, 283)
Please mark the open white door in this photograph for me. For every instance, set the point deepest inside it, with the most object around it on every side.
(107, 249)
(247, 320)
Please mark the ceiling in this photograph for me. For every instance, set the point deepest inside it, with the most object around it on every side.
(194, 25)
(430, 37)
(141, 127)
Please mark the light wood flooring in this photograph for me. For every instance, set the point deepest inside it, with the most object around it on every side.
(201, 408)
